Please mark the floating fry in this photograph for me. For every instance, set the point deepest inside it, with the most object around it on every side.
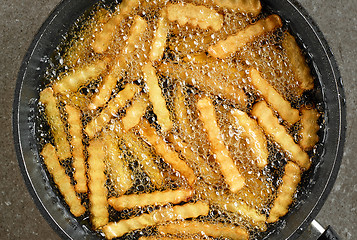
(80, 76)
(286, 192)
(156, 98)
(120, 64)
(146, 199)
(232, 44)
(298, 62)
(96, 184)
(57, 126)
(216, 230)
(62, 180)
(134, 113)
(159, 42)
(75, 130)
(114, 105)
(229, 170)
(195, 16)
(181, 111)
(257, 139)
(189, 210)
(251, 6)
(163, 149)
(271, 126)
(309, 128)
(103, 38)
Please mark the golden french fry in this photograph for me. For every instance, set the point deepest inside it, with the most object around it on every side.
(189, 210)
(146, 199)
(298, 62)
(291, 179)
(216, 230)
(156, 98)
(251, 6)
(96, 183)
(75, 130)
(201, 16)
(233, 43)
(159, 42)
(163, 149)
(134, 113)
(271, 126)
(62, 180)
(309, 128)
(72, 81)
(182, 117)
(120, 64)
(227, 166)
(118, 169)
(114, 105)
(53, 116)
(104, 38)
(270, 95)
(257, 139)
(171, 238)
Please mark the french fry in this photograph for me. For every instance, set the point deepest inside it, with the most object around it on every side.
(118, 169)
(182, 117)
(271, 126)
(80, 76)
(62, 181)
(146, 199)
(114, 105)
(134, 113)
(96, 183)
(75, 130)
(193, 15)
(291, 179)
(159, 42)
(53, 116)
(270, 95)
(227, 166)
(156, 98)
(233, 43)
(189, 210)
(103, 38)
(171, 238)
(216, 230)
(298, 62)
(251, 6)
(120, 64)
(309, 128)
(171, 157)
(257, 139)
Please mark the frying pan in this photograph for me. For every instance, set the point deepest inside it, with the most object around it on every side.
(314, 189)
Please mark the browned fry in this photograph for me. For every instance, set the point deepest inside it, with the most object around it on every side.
(246, 6)
(75, 130)
(270, 95)
(227, 166)
(271, 126)
(216, 230)
(298, 62)
(159, 42)
(146, 199)
(291, 179)
(189, 210)
(309, 128)
(134, 113)
(233, 43)
(163, 149)
(96, 184)
(53, 116)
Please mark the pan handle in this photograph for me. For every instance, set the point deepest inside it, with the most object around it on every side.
(325, 234)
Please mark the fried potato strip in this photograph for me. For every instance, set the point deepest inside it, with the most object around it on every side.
(270, 95)
(291, 179)
(309, 128)
(163, 149)
(271, 126)
(96, 183)
(53, 116)
(114, 105)
(134, 113)
(189, 210)
(171, 238)
(227, 166)
(246, 6)
(216, 230)
(62, 181)
(160, 36)
(75, 130)
(193, 15)
(181, 114)
(257, 139)
(233, 43)
(146, 199)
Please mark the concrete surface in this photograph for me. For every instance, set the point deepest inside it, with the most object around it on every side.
(20, 20)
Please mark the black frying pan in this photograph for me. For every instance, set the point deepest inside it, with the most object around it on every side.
(314, 190)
